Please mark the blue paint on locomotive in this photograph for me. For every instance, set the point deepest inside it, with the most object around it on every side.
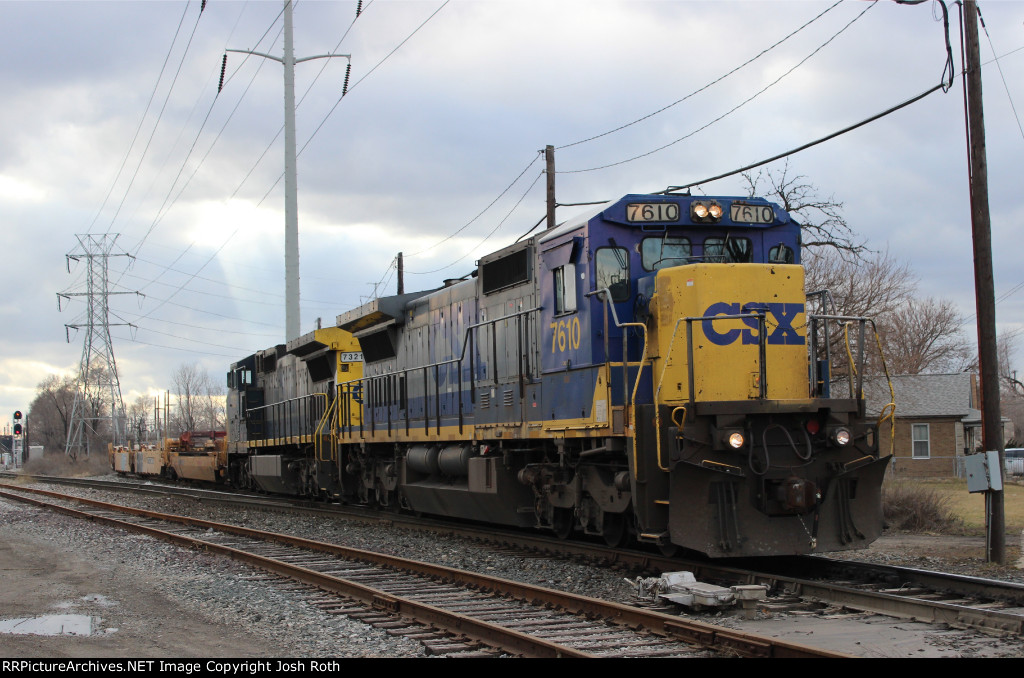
(608, 249)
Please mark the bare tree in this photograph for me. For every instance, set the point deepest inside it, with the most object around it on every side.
(188, 385)
(916, 335)
(201, 404)
(50, 410)
(874, 286)
(1011, 389)
(822, 221)
(925, 335)
(139, 419)
(213, 409)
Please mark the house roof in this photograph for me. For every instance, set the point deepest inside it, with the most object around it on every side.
(923, 395)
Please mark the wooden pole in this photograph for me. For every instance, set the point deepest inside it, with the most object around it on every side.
(984, 286)
(549, 161)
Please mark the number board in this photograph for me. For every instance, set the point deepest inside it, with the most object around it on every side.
(353, 357)
(652, 211)
(751, 214)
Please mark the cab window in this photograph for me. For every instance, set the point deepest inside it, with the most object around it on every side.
(780, 254)
(565, 289)
(728, 250)
(659, 253)
(611, 266)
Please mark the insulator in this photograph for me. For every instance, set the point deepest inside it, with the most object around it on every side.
(223, 67)
(348, 71)
(359, 8)
(202, 6)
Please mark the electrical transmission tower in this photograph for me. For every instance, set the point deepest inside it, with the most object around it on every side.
(98, 395)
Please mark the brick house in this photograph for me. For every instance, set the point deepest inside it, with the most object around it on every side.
(937, 422)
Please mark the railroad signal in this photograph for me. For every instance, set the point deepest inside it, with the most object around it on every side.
(17, 415)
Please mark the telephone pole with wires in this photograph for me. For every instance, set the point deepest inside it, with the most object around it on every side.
(291, 205)
(984, 283)
(98, 392)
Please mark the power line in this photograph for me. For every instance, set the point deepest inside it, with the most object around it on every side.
(1001, 75)
(793, 151)
(138, 129)
(701, 89)
(493, 231)
(156, 124)
(730, 111)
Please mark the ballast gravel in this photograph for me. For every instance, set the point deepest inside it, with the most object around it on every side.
(222, 592)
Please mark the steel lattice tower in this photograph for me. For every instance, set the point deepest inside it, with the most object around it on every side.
(98, 385)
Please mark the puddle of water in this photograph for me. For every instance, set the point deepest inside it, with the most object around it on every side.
(92, 598)
(49, 625)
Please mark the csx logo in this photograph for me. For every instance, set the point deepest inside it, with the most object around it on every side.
(780, 329)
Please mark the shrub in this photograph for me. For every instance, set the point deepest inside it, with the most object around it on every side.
(914, 508)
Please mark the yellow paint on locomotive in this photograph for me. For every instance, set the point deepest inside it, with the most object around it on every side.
(348, 367)
(725, 352)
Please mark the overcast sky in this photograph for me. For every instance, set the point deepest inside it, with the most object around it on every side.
(111, 125)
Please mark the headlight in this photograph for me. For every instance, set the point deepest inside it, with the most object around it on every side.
(841, 437)
(736, 441)
(708, 211)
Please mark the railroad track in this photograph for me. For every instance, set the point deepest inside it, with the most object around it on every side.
(956, 600)
(451, 611)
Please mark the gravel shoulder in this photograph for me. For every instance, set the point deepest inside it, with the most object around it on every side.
(148, 599)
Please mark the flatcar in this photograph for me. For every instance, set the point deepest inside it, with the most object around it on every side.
(193, 455)
(648, 371)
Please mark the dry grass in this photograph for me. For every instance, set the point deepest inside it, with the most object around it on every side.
(57, 464)
(946, 507)
(915, 507)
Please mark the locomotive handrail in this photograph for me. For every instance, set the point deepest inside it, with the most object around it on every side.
(325, 419)
(467, 343)
(292, 406)
(813, 319)
(762, 368)
(630, 425)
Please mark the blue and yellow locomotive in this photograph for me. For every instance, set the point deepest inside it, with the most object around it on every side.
(648, 370)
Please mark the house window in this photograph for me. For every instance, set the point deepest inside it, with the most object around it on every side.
(921, 444)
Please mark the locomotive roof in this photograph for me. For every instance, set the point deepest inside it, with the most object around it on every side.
(581, 219)
(376, 311)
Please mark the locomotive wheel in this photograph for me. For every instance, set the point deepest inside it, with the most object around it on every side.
(668, 549)
(561, 522)
(614, 529)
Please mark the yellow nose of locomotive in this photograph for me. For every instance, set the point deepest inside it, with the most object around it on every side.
(707, 315)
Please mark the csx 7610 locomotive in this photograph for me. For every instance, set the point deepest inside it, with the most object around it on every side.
(648, 370)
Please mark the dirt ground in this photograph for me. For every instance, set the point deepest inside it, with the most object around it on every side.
(960, 554)
(129, 620)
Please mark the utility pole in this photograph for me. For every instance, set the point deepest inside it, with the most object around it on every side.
(984, 285)
(291, 204)
(401, 274)
(549, 164)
